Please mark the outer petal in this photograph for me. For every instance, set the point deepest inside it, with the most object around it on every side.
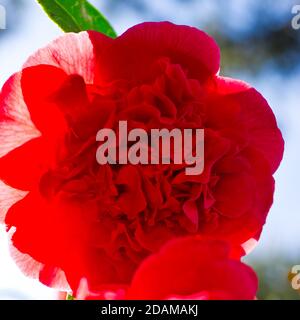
(16, 126)
(53, 277)
(132, 53)
(39, 86)
(22, 167)
(73, 52)
(240, 105)
(25, 220)
(32, 222)
(8, 197)
(58, 102)
(189, 266)
(249, 224)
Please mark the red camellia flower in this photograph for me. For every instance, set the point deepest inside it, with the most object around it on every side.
(68, 213)
(188, 268)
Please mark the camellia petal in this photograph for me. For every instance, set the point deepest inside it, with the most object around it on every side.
(74, 53)
(141, 45)
(253, 111)
(16, 126)
(22, 167)
(193, 267)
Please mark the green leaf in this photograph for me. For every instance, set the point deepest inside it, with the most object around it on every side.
(76, 16)
(69, 297)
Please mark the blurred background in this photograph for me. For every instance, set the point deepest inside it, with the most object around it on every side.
(258, 45)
